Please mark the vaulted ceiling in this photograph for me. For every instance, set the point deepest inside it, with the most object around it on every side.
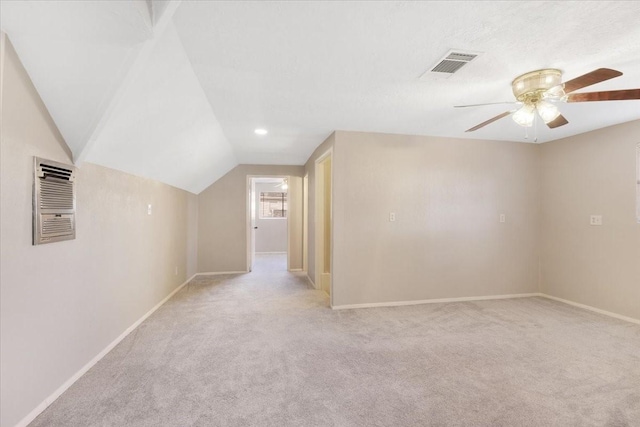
(173, 90)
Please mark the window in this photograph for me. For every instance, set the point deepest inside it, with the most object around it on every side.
(273, 205)
(638, 183)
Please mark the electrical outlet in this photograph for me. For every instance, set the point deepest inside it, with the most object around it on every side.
(596, 220)
(503, 218)
(149, 209)
(392, 216)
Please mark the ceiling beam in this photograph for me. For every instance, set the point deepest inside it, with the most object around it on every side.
(134, 63)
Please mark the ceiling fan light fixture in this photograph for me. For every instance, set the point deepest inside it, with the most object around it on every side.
(531, 86)
(525, 115)
(536, 88)
(555, 93)
(547, 111)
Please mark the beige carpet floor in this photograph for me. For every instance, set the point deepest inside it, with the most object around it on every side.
(263, 349)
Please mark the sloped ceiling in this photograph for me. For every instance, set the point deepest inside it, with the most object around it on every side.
(174, 90)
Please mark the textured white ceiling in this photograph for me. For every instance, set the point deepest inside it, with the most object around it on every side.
(178, 100)
(305, 69)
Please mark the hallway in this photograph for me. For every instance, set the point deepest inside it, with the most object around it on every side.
(266, 262)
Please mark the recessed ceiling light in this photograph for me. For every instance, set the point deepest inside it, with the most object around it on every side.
(260, 131)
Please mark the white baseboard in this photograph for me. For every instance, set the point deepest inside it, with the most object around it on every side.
(590, 308)
(431, 301)
(311, 282)
(51, 398)
(481, 298)
(214, 273)
(295, 270)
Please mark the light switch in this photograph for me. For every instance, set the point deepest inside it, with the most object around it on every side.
(596, 220)
(503, 218)
(392, 216)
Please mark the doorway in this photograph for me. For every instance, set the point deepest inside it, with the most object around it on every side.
(305, 223)
(268, 223)
(323, 222)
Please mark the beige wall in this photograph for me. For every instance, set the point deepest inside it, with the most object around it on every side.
(222, 218)
(62, 303)
(192, 235)
(310, 169)
(447, 240)
(592, 173)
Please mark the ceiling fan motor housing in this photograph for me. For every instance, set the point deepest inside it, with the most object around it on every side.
(530, 87)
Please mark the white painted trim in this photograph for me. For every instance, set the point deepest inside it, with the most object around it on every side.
(214, 273)
(51, 398)
(432, 301)
(319, 229)
(311, 281)
(594, 309)
(251, 190)
(305, 222)
(288, 219)
(482, 298)
(295, 270)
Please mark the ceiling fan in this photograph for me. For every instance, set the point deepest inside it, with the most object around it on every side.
(538, 92)
(284, 185)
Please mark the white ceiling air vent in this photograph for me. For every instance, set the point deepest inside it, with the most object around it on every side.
(54, 202)
(450, 64)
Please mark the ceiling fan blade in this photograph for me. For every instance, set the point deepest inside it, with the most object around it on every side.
(596, 76)
(488, 103)
(483, 124)
(611, 95)
(557, 122)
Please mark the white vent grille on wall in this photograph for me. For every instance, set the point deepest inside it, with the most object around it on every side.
(453, 61)
(54, 202)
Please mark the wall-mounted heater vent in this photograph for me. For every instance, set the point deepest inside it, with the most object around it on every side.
(453, 61)
(54, 202)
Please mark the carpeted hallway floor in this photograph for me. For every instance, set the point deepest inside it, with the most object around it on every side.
(263, 349)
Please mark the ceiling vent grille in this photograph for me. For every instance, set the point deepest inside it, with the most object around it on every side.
(54, 202)
(453, 61)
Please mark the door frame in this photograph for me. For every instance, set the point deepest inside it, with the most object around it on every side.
(305, 224)
(250, 186)
(319, 225)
